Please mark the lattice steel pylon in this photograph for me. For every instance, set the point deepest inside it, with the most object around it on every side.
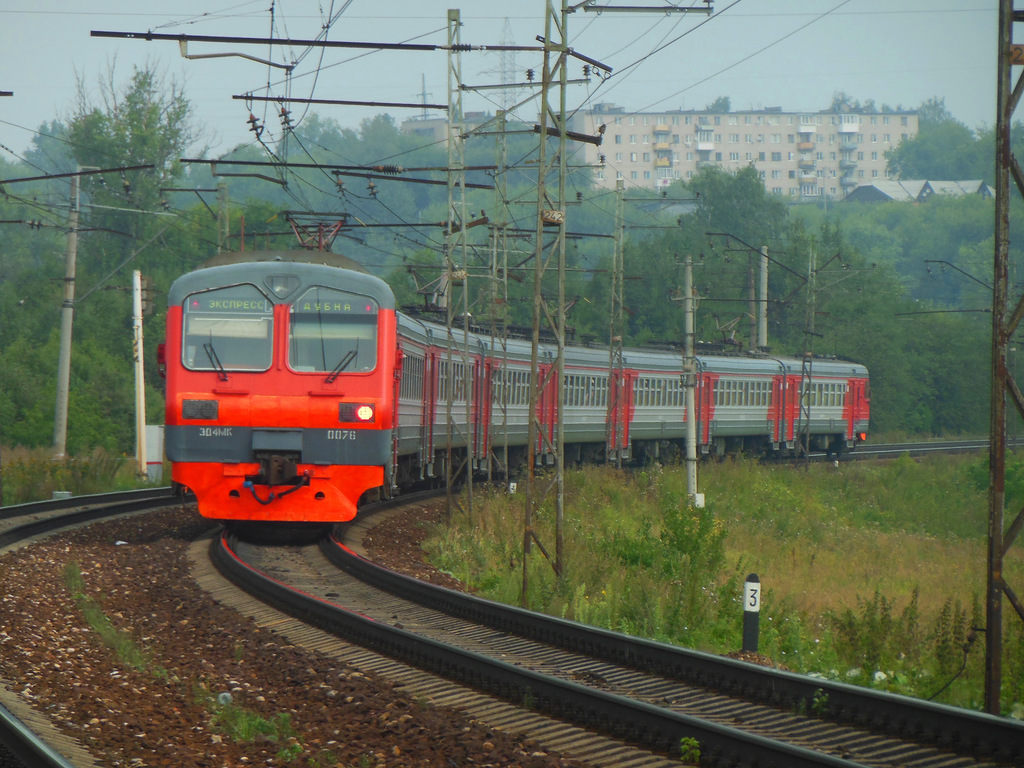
(1004, 324)
(548, 442)
(458, 374)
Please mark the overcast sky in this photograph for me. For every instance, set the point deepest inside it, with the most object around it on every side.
(793, 54)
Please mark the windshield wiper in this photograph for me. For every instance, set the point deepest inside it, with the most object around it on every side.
(341, 366)
(211, 353)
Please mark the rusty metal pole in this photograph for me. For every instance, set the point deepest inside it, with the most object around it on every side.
(997, 415)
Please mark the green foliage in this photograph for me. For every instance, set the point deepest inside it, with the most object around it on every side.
(120, 642)
(689, 750)
(638, 560)
(243, 725)
(874, 634)
(33, 475)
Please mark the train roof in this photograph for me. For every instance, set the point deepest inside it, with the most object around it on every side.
(260, 272)
(296, 255)
(632, 357)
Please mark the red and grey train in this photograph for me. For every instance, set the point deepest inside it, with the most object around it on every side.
(294, 388)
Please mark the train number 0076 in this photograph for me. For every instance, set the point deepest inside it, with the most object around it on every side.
(341, 434)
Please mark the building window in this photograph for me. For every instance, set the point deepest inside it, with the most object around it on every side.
(632, 138)
(632, 157)
(776, 157)
(618, 138)
(633, 175)
(647, 157)
(618, 157)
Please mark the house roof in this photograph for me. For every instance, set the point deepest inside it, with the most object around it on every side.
(916, 190)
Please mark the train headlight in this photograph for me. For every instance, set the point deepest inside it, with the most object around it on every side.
(358, 412)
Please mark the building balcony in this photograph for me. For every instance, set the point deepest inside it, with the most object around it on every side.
(807, 128)
(808, 179)
(663, 162)
(848, 146)
(662, 146)
(805, 146)
(848, 181)
(661, 128)
(705, 146)
(705, 163)
(848, 127)
(806, 165)
(847, 164)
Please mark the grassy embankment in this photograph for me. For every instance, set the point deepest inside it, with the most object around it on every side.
(33, 475)
(872, 573)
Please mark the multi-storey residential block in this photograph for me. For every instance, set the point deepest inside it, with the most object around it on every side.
(797, 154)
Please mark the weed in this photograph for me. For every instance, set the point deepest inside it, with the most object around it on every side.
(819, 702)
(689, 750)
(243, 725)
(120, 642)
(639, 560)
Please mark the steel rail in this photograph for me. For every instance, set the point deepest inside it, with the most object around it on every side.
(636, 722)
(19, 740)
(965, 731)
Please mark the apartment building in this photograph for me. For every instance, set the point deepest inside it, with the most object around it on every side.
(797, 154)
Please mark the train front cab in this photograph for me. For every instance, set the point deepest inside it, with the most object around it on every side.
(280, 390)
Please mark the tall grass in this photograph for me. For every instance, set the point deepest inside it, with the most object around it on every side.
(33, 474)
(871, 572)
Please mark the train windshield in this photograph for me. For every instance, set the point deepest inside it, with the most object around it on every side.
(228, 329)
(333, 332)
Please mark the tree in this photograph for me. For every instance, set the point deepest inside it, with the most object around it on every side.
(721, 104)
(146, 122)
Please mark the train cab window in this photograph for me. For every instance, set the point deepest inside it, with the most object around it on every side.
(228, 329)
(333, 332)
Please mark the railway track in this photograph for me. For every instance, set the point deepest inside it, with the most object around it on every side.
(669, 700)
(21, 744)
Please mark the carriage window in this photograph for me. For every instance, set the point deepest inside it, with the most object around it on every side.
(228, 329)
(333, 332)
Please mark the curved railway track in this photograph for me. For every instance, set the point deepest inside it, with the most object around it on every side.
(640, 692)
(20, 743)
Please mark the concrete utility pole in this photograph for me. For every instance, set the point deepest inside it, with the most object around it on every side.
(140, 375)
(690, 385)
(67, 313)
(615, 445)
